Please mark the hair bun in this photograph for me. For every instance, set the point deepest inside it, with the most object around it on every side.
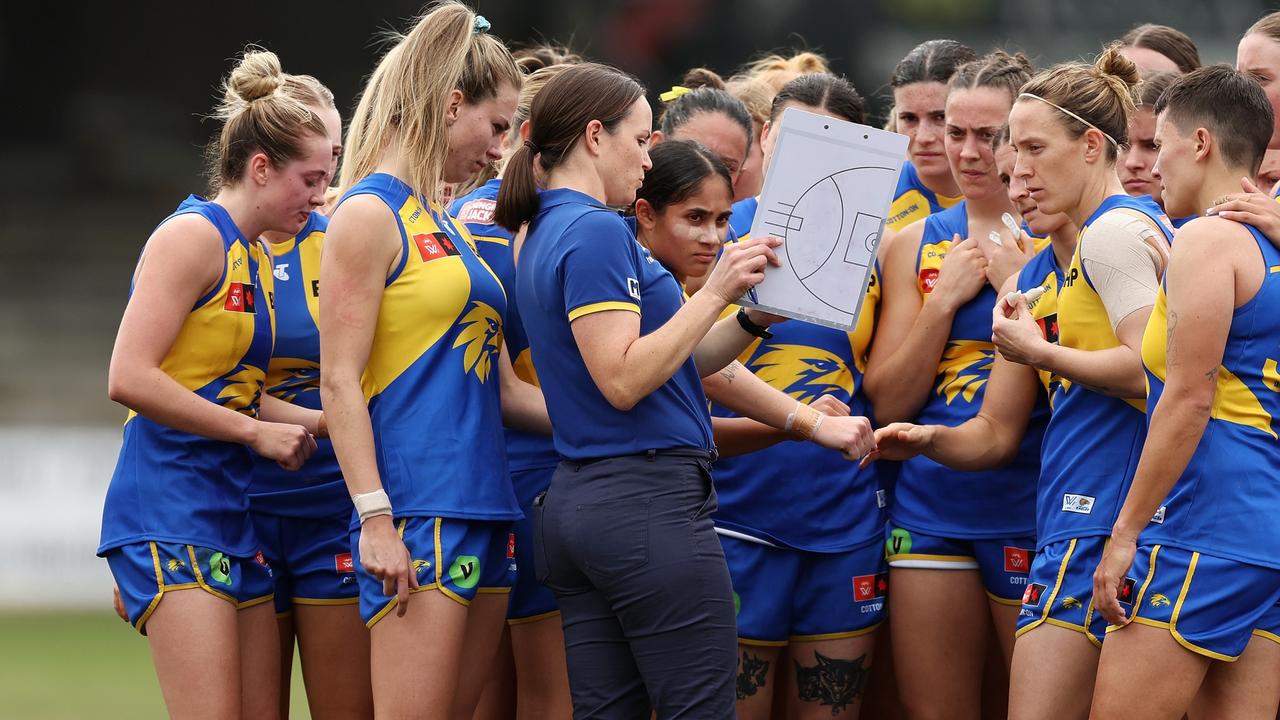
(702, 77)
(257, 75)
(1112, 62)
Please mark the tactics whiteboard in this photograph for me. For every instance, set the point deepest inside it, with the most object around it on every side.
(828, 190)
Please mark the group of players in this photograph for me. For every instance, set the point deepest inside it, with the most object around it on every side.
(526, 393)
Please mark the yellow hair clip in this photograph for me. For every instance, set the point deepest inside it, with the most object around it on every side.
(675, 92)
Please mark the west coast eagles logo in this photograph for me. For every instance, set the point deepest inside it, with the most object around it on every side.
(805, 373)
(965, 367)
(481, 332)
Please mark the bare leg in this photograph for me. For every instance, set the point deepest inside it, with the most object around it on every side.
(196, 651)
(757, 680)
(542, 673)
(1247, 689)
(829, 677)
(1144, 667)
(940, 636)
(259, 661)
(334, 645)
(1053, 673)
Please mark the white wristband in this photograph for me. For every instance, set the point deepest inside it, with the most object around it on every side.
(371, 504)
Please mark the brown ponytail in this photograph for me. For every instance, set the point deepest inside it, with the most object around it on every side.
(557, 119)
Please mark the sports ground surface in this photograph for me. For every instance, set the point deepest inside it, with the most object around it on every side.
(71, 665)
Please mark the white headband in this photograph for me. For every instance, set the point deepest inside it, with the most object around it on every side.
(1077, 117)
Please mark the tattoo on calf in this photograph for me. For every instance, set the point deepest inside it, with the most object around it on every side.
(751, 674)
(832, 681)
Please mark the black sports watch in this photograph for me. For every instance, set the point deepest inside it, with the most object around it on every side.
(752, 329)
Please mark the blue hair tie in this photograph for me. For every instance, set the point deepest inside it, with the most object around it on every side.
(481, 25)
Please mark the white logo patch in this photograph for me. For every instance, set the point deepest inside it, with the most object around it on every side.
(633, 288)
(1082, 504)
(881, 500)
(478, 211)
(281, 271)
(1158, 518)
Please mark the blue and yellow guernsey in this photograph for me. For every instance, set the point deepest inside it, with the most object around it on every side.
(935, 499)
(832, 505)
(1227, 501)
(432, 376)
(1093, 442)
(317, 489)
(525, 451)
(174, 486)
(914, 201)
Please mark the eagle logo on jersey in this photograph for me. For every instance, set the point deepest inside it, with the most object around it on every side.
(1159, 600)
(965, 367)
(241, 389)
(292, 377)
(804, 372)
(481, 333)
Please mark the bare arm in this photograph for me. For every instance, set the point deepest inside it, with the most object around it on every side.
(740, 390)
(361, 247)
(523, 406)
(989, 439)
(273, 409)
(912, 332)
(182, 262)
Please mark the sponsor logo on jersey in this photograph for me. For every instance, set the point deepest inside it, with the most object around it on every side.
(881, 499)
(1125, 593)
(928, 279)
(1033, 594)
(1016, 559)
(1071, 277)
(1082, 504)
(281, 271)
(240, 298)
(633, 288)
(342, 563)
(870, 587)
(1158, 518)
(1049, 327)
(478, 211)
(511, 546)
(261, 559)
(433, 246)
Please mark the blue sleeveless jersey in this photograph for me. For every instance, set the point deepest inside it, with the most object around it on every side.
(1093, 442)
(317, 489)
(173, 486)
(431, 379)
(1227, 501)
(831, 505)
(577, 259)
(525, 451)
(913, 201)
(935, 499)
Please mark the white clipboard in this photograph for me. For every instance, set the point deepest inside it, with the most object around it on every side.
(828, 191)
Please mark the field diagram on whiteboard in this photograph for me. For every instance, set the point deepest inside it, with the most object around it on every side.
(826, 194)
(828, 228)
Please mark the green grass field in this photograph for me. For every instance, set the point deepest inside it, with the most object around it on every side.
(83, 666)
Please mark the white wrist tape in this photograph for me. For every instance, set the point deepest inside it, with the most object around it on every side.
(371, 504)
